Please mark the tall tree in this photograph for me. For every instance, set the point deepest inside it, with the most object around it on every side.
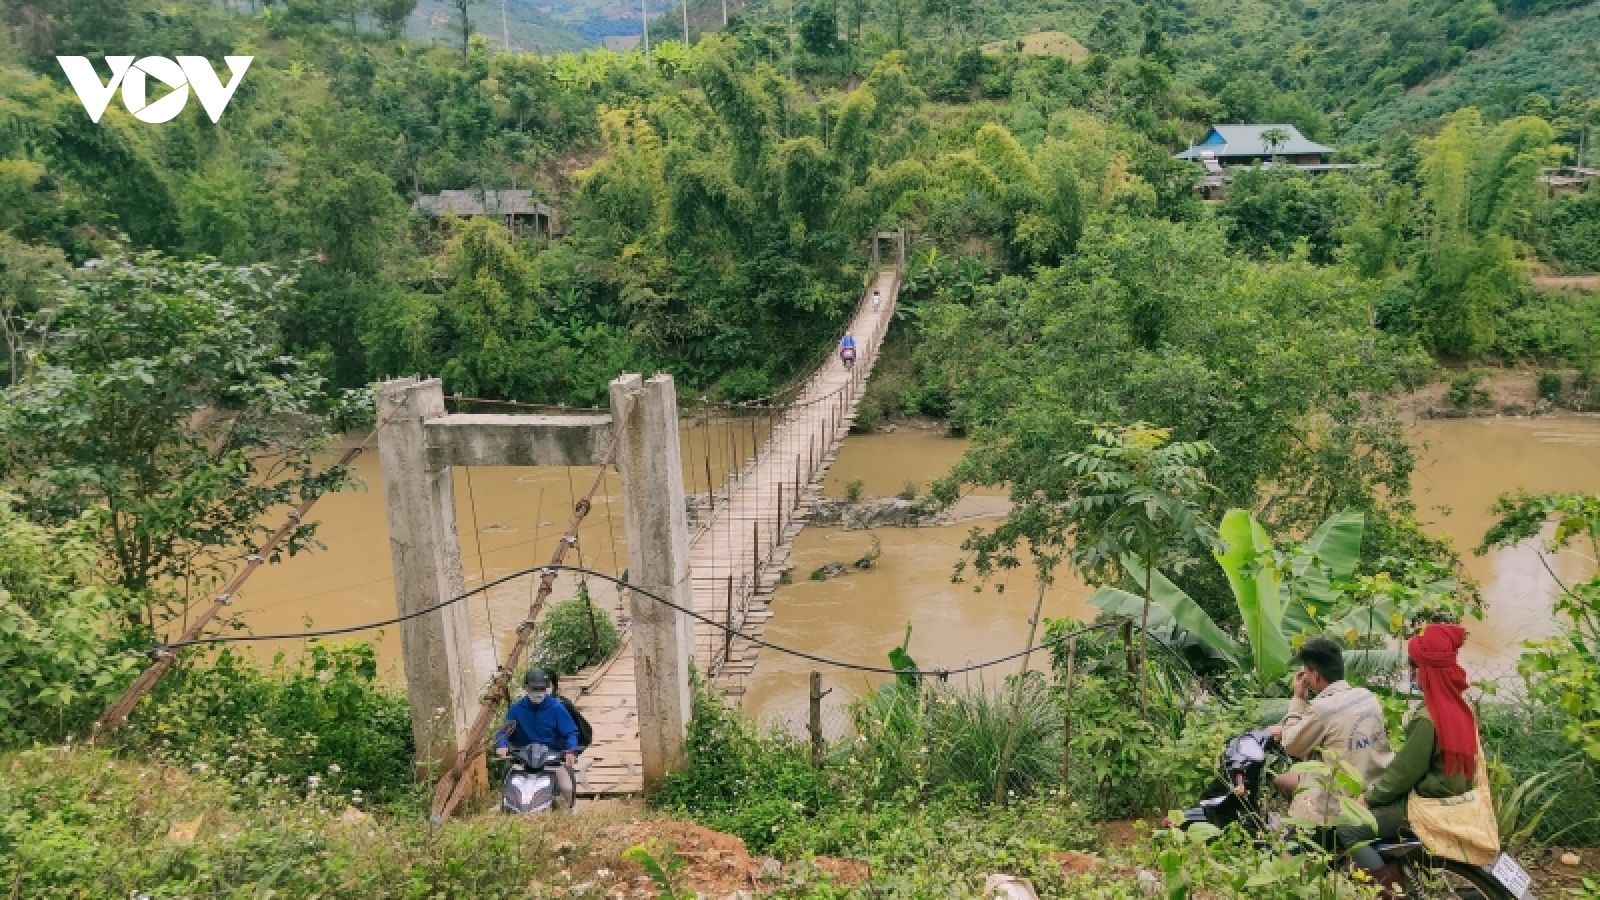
(162, 403)
(392, 14)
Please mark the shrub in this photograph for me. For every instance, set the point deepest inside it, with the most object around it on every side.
(1464, 390)
(63, 662)
(743, 384)
(324, 716)
(574, 634)
(947, 741)
(1550, 386)
(84, 823)
(740, 779)
(852, 490)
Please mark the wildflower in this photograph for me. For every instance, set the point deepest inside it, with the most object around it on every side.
(603, 873)
(333, 768)
(312, 781)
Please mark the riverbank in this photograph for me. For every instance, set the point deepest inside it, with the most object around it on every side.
(1464, 464)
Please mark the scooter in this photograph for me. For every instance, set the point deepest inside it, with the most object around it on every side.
(1235, 799)
(530, 787)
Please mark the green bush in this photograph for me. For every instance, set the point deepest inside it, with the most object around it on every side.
(1465, 391)
(947, 741)
(1550, 386)
(742, 780)
(1526, 738)
(83, 823)
(852, 490)
(62, 657)
(324, 720)
(574, 634)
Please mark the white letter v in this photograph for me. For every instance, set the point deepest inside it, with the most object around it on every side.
(213, 96)
(93, 94)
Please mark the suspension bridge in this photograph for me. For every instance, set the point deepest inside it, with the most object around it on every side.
(718, 553)
(740, 548)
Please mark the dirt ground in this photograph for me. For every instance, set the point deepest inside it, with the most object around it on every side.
(1511, 392)
(591, 844)
(718, 866)
(1568, 282)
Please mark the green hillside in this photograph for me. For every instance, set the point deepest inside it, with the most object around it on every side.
(531, 25)
(1546, 57)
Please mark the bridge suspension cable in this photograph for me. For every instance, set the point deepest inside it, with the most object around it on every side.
(548, 572)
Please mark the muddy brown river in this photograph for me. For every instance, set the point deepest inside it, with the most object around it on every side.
(511, 518)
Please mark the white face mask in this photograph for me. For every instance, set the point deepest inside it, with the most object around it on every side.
(537, 696)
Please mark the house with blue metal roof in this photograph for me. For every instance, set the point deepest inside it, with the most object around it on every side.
(1243, 145)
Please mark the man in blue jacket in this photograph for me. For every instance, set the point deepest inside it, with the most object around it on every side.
(539, 718)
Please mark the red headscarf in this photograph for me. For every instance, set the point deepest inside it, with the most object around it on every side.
(1444, 684)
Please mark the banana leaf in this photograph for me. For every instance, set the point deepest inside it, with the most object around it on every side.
(1255, 582)
(1187, 613)
(1337, 545)
(1337, 542)
(1170, 607)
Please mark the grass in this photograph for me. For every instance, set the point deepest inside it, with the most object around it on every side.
(1526, 740)
(77, 822)
(1043, 43)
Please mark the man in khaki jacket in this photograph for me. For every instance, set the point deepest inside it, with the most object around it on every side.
(1348, 721)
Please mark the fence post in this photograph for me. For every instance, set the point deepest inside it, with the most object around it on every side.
(815, 726)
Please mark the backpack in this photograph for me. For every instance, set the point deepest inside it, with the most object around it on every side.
(585, 730)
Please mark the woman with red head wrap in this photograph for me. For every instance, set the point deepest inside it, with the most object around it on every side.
(1440, 752)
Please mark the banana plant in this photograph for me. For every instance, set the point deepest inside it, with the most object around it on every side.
(1285, 594)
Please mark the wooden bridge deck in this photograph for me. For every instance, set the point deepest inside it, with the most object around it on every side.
(735, 554)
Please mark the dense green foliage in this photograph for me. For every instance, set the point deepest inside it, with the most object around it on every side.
(80, 823)
(182, 304)
(323, 720)
(160, 401)
(573, 634)
(59, 642)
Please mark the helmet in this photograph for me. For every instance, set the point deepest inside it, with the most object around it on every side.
(536, 680)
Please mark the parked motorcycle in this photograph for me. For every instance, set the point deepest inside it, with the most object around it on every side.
(530, 785)
(1246, 763)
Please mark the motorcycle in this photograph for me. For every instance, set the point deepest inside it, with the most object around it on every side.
(1235, 798)
(848, 355)
(529, 786)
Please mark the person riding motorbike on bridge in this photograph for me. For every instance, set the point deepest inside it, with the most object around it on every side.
(847, 349)
(539, 718)
(1348, 721)
(1440, 755)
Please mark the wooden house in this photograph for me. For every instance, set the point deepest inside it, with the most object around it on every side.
(522, 216)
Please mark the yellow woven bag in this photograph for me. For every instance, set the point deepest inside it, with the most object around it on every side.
(1463, 827)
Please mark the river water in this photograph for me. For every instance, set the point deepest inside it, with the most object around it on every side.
(520, 514)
